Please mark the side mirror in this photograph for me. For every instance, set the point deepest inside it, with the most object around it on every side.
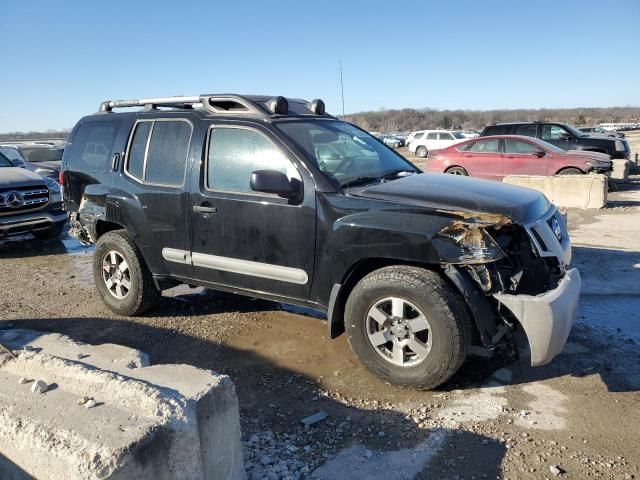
(565, 136)
(538, 153)
(272, 181)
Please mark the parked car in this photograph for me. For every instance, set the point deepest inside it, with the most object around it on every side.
(562, 135)
(233, 195)
(599, 131)
(29, 203)
(44, 159)
(434, 140)
(498, 156)
(470, 133)
(393, 141)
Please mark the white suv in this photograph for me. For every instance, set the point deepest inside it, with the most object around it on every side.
(426, 140)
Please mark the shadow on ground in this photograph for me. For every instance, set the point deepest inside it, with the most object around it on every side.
(275, 398)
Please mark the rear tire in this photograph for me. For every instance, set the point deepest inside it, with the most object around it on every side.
(122, 277)
(457, 171)
(422, 152)
(570, 171)
(371, 318)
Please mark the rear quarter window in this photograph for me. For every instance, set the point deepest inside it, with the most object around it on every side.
(91, 146)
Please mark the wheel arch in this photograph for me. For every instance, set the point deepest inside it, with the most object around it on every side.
(486, 328)
(559, 172)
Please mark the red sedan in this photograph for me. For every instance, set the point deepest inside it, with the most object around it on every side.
(495, 157)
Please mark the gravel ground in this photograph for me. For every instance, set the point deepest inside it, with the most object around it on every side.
(498, 418)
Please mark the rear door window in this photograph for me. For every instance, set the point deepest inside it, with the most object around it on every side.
(527, 130)
(158, 152)
(432, 136)
(91, 147)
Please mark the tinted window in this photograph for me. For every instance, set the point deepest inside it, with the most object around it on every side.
(91, 146)
(485, 146)
(37, 155)
(432, 136)
(553, 132)
(446, 136)
(135, 162)
(495, 130)
(167, 155)
(418, 135)
(234, 153)
(527, 130)
(515, 146)
(4, 161)
(11, 153)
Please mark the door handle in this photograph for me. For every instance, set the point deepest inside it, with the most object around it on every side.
(115, 162)
(204, 209)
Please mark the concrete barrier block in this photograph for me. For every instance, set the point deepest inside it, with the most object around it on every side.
(621, 169)
(145, 422)
(568, 191)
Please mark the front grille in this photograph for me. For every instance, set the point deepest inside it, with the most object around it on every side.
(545, 240)
(24, 199)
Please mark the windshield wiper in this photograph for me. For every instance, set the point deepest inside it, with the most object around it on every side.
(365, 179)
(359, 180)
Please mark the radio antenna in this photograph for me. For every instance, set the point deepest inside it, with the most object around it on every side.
(342, 89)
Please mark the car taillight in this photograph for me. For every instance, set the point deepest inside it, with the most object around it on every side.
(60, 177)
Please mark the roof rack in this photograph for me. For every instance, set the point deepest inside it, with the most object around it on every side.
(227, 104)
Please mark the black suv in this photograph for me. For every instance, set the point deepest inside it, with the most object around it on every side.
(564, 136)
(274, 198)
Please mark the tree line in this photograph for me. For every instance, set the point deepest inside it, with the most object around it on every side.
(37, 136)
(409, 119)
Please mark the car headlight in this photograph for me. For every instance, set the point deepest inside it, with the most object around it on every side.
(52, 185)
(466, 243)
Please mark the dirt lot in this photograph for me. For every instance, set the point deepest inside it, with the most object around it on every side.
(498, 418)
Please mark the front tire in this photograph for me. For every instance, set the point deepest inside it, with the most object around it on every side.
(457, 171)
(408, 326)
(422, 152)
(122, 277)
(570, 171)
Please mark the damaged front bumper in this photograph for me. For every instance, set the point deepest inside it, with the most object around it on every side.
(546, 318)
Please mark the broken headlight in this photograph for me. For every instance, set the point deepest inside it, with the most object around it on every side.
(466, 244)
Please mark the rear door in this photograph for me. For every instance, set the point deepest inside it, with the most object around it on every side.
(519, 158)
(530, 130)
(154, 177)
(246, 239)
(445, 139)
(431, 140)
(483, 159)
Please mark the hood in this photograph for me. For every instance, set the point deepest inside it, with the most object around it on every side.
(602, 157)
(47, 165)
(462, 195)
(19, 177)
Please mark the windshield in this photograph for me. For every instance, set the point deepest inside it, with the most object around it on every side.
(4, 161)
(574, 130)
(37, 155)
(343, 152)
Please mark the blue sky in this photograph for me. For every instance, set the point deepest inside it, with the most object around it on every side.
(62, 58)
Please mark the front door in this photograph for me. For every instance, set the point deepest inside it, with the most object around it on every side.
(520, 159)
(247, 239)
(558, 136)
